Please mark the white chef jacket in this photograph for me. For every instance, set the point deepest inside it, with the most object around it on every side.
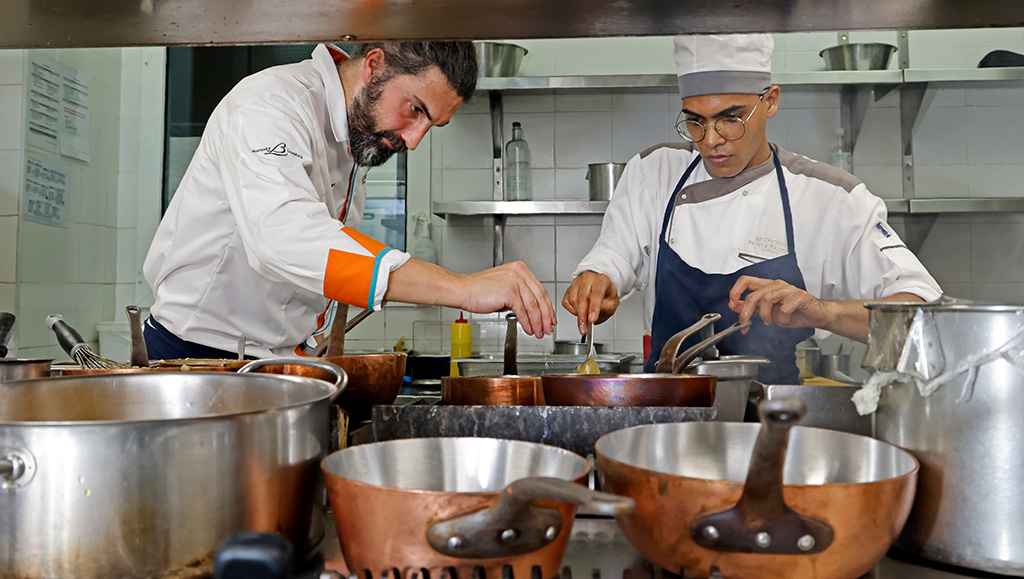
(259, 236)
(844, 248)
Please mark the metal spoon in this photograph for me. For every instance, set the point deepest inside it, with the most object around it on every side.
(590, 366)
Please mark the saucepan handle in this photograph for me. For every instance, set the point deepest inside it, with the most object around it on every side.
(666, 361)
(513, 525)
(683, 360)
(340, 377)
(762, 522)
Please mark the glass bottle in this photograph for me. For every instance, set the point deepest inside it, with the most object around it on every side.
(841, 156)
(517, 167)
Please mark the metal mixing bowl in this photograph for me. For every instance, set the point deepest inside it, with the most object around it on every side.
(858, 56)
(498, 58)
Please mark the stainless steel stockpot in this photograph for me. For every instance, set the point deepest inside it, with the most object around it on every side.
(142, 475)
(966, 433)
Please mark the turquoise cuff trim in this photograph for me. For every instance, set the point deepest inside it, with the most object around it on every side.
(373, 280)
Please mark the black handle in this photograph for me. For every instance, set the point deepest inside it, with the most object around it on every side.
(67, 337)
(7, 322)
(252, 555)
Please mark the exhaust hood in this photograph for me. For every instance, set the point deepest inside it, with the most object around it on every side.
(89, 23)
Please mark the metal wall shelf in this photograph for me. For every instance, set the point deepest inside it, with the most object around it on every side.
(492, 208)
(821, 77)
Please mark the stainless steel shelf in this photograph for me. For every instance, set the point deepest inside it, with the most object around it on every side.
(967, 205)
(823, 77)
(486, 208)
(897, 205)
(963, 74)
(820, 77)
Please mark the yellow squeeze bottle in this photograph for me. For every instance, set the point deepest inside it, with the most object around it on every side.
(462, 342)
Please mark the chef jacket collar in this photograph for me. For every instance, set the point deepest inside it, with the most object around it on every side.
(324, 59)
(716, 187)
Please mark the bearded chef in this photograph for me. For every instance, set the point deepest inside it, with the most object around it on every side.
(261, 236)
(727, 222)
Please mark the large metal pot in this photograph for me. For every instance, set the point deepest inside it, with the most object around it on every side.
(953, 394)
(142, 475)
(455, 504)
(734, 382)
(827, 509)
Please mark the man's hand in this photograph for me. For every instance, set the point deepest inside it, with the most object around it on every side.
(592, 298)
(507, 287)
(777, 303)
(512, 286)
(782, 304)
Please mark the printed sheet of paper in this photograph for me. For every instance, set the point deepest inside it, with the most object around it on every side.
(45, 191)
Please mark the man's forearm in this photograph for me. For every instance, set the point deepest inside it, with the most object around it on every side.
(420, 282)
(849, 318)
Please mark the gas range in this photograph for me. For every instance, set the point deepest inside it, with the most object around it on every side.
(599, 550)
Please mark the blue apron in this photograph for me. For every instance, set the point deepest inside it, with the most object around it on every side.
(683, 293)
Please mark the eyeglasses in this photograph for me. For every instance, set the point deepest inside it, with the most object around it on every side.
(730, 128)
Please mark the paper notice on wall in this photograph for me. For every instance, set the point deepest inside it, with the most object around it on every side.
(74, 128)
(44, 106)
(58, 108)
(44, 197)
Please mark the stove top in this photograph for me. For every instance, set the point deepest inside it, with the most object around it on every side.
(599, 550)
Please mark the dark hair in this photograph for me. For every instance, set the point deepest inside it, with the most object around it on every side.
(456, 60)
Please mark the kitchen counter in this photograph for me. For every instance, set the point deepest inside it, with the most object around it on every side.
(598, 550)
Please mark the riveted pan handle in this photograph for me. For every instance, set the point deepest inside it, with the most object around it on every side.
(513, 525)
(340, 377)
(761, 521)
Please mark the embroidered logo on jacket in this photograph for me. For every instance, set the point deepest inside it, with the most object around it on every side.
(278, 150)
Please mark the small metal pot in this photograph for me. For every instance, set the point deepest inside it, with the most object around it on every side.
(575, 348)
(498, 58)
(603, 178)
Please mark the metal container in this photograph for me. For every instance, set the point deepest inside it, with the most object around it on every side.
(498, 58)
(966, 433)
(858, 56)
(734, 382)
(539, 364)
(603, 178)
(828, 406)
(574, 348)
(23, 369)
(142, 475)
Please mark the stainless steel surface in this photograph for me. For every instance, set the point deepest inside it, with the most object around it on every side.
(962, 74)
(574, 348)
(954, 205)
(142, 475)
(602, 178)
(457, 464)
(818, 77)
(69, 23)
(966, 433)
(538, 364)
(829, 406)
(519, 207)
(858, 56)
(735, 379)
(23, 369)
(498, 58)
(717, 451)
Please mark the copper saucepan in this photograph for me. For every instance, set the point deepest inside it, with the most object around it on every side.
(666, 387)
(440, 504)
(510, 389)
(828, 510)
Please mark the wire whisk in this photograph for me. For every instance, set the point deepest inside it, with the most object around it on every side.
(77, 348)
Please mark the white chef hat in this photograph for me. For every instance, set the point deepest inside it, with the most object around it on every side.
(724, 64)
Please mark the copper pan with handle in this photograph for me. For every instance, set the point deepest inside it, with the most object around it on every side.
(665, 387)
(509, 389)
(436, 507)
(829, 508)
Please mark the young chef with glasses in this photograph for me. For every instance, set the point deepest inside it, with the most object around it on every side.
(260, 235)
(727, 222)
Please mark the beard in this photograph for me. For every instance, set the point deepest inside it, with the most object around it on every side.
(370, 146)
